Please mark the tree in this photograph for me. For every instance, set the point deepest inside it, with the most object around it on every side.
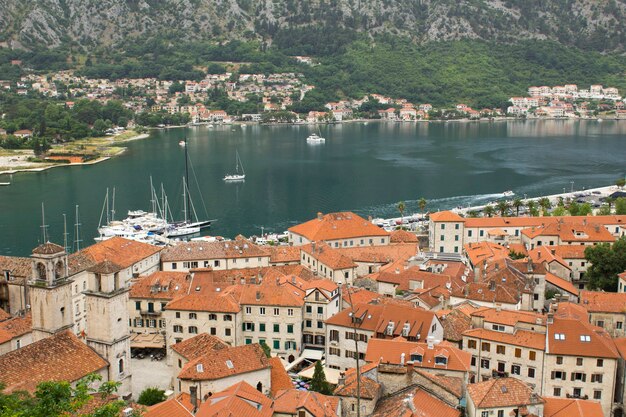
(518, 203)
(59, 399)
(516, 255)
(266, 349)
(621, 182)
(606, 262)
(609, 201)
(489, 211)
(318, 382)
(151, 396)
(401, 208)
(620, 205)
(545, 205)
(532, 208)
(503, 207)
(421, 203)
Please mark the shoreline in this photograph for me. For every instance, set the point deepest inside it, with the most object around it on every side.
(93, 162)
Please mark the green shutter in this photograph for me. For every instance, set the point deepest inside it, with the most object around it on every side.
(276, 344)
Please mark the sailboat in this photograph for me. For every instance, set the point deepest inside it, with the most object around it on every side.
(236, 176)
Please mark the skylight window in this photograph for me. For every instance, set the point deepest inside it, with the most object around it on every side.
(199, 368)
(229, 364)
(585, 338)
(559, 336)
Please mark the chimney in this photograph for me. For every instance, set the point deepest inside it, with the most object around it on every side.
(258, 295)
(550, 319)
(193, 393)
(319, 215)
(584, 222)
(430, 342)
(342, 378)
(313, 247)
(397, 270)
(402, 356)
(530, 265)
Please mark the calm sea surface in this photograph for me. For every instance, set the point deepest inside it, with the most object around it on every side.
(366, 168)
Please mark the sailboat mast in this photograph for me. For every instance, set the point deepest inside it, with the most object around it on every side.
(44, 226)
(77, 238)
(113, 206)
(185, 207)
(65, 233)
(106, 200)
(187, 202)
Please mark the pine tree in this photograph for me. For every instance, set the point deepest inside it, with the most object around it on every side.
(319, 383)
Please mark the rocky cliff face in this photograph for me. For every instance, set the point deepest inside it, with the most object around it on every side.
(588, 24)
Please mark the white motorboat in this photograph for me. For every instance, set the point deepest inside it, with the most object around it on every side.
(315, 138)
(182, 143)
(236, 176)
(508, 193)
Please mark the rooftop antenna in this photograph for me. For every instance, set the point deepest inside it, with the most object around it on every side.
(44, 226)
(65, 234)
(77, 238)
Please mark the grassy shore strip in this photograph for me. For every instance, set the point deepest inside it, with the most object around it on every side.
(100, 149)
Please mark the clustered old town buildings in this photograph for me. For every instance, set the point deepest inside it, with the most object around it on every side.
(449, 327)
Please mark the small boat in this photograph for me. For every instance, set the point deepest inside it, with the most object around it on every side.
(508, 193)
(236, 176)
(314, 138)
(182, 143)
(4, 184)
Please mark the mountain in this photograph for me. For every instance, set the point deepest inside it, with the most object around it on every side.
(586, 24)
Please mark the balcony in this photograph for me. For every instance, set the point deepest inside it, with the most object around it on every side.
(151, 313)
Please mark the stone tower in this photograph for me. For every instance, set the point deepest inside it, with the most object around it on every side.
(50, 291)
(108, 332)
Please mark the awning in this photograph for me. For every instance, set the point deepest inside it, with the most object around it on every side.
(332, 375)
(147, 341)
(307, 354)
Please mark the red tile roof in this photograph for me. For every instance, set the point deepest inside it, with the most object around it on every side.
(318, 405)
(284, 254)
(216, 302)
(454, 323)
(523, 338)
(542, 254)
(240, 399)
(579, 339)
(384, 254)
(569, 251)
(330, 257)
(278, 375)
(4, 315)
(446, 216)
(225, 362)
(603, 302)
(179, 406)
(240, 247)
(501, 392)
(570, 407)
(572, 233)
(509, 317)
(405, 279)
(15, 327)
(485, 222)
(376, 317)
(198, 346)
(334, 226)
(453, 385)
(561, 283)
(423, 405)
(358, 296)
(391, 350)
(403, 236)
(17, 267)
(161, 285)
(61, 357)
(478, 252)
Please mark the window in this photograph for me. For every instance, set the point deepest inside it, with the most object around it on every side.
(261, 327)
(586, 338)
(597, 395)
(276, 344)
(248, 341)
(579, 361)
(262, 311)
(532, 355)
(484, 414)
(248, 327)
(484, 363)
(469, 233)
(276, 328)
(497, 327)
(248, 310)
(596, 378)
(213, 317)
(579, 376)
(309, 309)
(320, 324)
(120, 366)
(559, 360)
(441, 237)
(558, 375)
(500, 349)
(193, 316)
(500, 413)
(193, 330)
(471, 344)
(178, 329)
(482, 233)
(619, 325)
(290, 328)
(516, 370)
(518, 352)
(485, 347)
(137, 305)
(334, 351)
(213, 331)
(226, 332)
(334, 335)
(416, 357)
(178, 314)
(443, 226)
(441, 360)
(174, 265)
(308, 323)
(531, 372)
(577, 392)
(559, 336)
(557, 392)
(277, 311)
(290, 311)
(600, 362)
(473, 361)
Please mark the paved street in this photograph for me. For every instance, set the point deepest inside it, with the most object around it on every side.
(148, 373)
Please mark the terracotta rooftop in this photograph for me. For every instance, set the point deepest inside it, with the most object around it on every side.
(278, 375)
(240, 247)
(198, 346)
(454, 323)
(14, 327)
(17, 267)
(318, 405)
(222, 302)
(121, 252)
(403, 236)
(453, 385)
(603, 302)
(332, 226)
(572, 232)
(569, 251)
(522, 222)
(105, 267)
(358, 296)
(509, 317)
(423, 405)
(4, 315)
(501, 392)
(410, 278)
(62, 357)
(389, 351)
(483, 291)
(376, 318)
(161, 285)
(570, 407)
(284, 254)
(240, 399)
(48, 249)
(446, 216)
(570, 336)
(225, 362)
(523, 338)
(542, 254)
(370, 389)
(562, 284)
(179, 406)
(330, 257)
(478, 252)
(399, 252)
